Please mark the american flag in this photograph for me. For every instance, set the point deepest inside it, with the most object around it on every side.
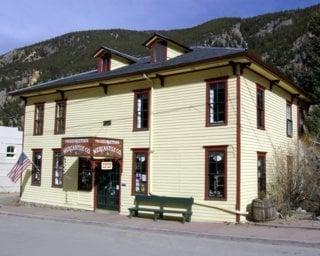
(22, 164)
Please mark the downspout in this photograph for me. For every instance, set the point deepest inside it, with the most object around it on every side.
(237, 72)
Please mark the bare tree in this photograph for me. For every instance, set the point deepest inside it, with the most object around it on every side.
(295, 180)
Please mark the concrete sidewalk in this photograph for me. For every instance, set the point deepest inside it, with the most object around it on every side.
(236, 232)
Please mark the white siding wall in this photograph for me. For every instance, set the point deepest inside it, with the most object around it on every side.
(253, 139)
(178, 136)
(117, 62)
(173, 51)
(9, 136)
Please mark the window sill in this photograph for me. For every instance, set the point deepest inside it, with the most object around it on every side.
(140, 130)
(215, 199)
(261, 128)
(56, 186)
(37, 134)
(216, 124)
(59, 133)
(36, 184)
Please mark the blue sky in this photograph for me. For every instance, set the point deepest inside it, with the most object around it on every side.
(24, 22)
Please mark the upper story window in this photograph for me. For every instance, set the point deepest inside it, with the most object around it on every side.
(300, 121)
(260, 108)
(38, 119)
(60, 117)
(216, 109)
(289, 119)
(57, 170)
(36, 167)
(216, 173)
(11, 152)
(140, 171)
(159, 51)
(141, 110)
(103, 63)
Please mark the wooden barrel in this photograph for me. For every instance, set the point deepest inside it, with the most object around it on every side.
(258, 212)
(269, 209)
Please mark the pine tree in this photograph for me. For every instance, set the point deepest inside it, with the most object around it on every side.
(310, 79)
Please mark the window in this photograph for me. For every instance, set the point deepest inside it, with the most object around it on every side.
(141, 110)
(260, 108)
(38, 119)
(103, 64)
(60, 117)
(11, 152)
(261, 166)
(300, 121)
(85, 174)
(216, 173)
(159, 51)
(289, 119)
(36, 167)
(57, 170)
(139, 171)
(216, 102)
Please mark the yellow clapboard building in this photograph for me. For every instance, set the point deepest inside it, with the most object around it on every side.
(199, 122)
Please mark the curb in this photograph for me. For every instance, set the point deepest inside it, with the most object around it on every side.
(284, 226)
(172, 232)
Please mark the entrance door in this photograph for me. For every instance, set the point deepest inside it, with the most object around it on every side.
(108, 188)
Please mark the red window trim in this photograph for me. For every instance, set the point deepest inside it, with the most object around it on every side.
(210, 82)
(136, 93)
(36, 105)
(64, 101)
(165, 50)
(220, 148)
(103, 63)
(289, 103)
(36, 150)
(260, 88)
(55, 150)
(264, 155)
(133, 177)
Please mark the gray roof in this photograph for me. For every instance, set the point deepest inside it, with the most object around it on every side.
(121, 54)
(142, 65)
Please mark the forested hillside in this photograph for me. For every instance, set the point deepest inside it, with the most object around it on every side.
(282, 39)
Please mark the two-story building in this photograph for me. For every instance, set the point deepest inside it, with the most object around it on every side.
(199, 122)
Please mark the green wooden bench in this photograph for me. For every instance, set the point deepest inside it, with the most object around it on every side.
(160, 205)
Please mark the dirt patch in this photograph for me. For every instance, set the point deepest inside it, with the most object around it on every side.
(297, 219)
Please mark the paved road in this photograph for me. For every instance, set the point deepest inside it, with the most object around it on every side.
(26, 236)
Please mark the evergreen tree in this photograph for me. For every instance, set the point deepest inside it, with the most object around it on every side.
(310, 78)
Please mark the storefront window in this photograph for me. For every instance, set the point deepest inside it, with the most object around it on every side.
(36, 167)
(85, 174)
(57, 172)
(216, 172)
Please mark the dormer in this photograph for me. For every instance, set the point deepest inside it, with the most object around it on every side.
(163, 48)
(110, 59)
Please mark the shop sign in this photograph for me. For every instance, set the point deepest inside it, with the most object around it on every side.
(106, 165)
(92, 147)
(76, 147)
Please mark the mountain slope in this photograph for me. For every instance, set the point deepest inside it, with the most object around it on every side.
(278, 37)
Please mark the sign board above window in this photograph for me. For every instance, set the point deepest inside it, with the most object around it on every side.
(92, 147)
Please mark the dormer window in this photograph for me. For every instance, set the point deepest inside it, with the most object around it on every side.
(163, 48)
(103, 64)
(159, 51)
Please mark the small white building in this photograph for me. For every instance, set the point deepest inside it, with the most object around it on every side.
(10, 150)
